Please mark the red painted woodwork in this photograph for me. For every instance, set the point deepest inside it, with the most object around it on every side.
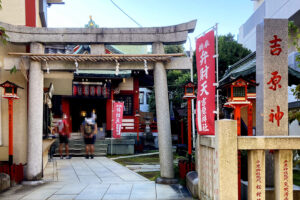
(65, 104)
(181, 131)
(136, 103)
(30, 13)
(16, 172)
(237, 117)
(10, 125)
(189, 127)
(250, 119)
(108, 113)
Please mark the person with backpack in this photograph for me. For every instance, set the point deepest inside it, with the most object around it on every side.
(64, 134)
(89, 131)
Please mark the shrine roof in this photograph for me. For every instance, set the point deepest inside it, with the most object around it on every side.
(246, 68)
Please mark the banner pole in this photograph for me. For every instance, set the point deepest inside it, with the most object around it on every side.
(112, 127)
(217, 66)
(193, 109)
(213, 27)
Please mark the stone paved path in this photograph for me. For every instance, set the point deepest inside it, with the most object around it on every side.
(94, 179)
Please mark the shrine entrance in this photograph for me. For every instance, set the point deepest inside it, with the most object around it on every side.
(80, 107)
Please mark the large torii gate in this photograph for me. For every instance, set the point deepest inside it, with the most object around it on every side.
(97, 38)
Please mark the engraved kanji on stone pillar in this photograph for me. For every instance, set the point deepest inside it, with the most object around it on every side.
(272, 76)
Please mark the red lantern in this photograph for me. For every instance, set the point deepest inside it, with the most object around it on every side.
(75, 90)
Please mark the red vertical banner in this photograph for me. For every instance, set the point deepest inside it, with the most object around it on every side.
(205, 105)
(118, 108)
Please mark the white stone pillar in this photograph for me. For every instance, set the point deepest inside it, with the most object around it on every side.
(97, 49)
(226, 185)
(284, 175)
(256, 175)
(163, 116)
(35, 116)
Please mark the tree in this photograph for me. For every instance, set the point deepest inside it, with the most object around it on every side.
(3, 35)
(230, 51)
(176, 79)
(294, 36)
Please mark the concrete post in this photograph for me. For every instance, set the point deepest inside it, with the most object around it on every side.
(163, 116)
(35, 116)
(256, 175)
(284, 175)
(226, 186)
(97, 49)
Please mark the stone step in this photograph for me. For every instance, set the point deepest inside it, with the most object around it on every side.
(82, 150)
(97, 145)
(83, 154)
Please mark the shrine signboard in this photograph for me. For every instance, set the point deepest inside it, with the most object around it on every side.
(117, 117)
(272, 76)
(205, 104)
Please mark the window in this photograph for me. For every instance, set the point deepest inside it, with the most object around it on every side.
(148, 97)
(141, 97)
(128, 103)
(251, 89)
(238, 91)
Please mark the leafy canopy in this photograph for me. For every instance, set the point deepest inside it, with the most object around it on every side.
(230, 51)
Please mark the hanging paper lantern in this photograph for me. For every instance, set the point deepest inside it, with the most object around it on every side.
(79, 90)
(86, 90)
(92, 90)
(104, 92)
(98, 90)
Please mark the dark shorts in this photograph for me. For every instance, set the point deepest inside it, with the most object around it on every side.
(63, 139)
(90, 140)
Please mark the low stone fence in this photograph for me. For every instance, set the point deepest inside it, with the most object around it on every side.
(217, 163)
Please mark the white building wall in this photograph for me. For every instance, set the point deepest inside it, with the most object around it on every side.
(257, 3)
(265, 9)
(294, 128)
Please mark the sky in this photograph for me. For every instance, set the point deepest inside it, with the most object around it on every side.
(229, 15)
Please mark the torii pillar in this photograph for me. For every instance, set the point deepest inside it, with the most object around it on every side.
(35, 116)
(163, 118)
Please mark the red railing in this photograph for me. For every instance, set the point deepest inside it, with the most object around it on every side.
(16, 172)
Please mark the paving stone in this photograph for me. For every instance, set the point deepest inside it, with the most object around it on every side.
(119, 189)
(71, 189)
(116, 196)
(40, 194)
(89, 179)
(62, 197)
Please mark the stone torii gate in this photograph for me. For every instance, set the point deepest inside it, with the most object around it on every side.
(97, 38)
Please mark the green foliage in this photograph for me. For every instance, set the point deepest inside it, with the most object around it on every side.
(13, 70)
(294, 36)
(294, 115)
(3, 35)
(296, 92)
(174, 49)
(176, 79)
(296, 177)
(294, 33)
(230, 51)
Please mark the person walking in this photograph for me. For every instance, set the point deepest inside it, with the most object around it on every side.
(89, 131)
(64, 134)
